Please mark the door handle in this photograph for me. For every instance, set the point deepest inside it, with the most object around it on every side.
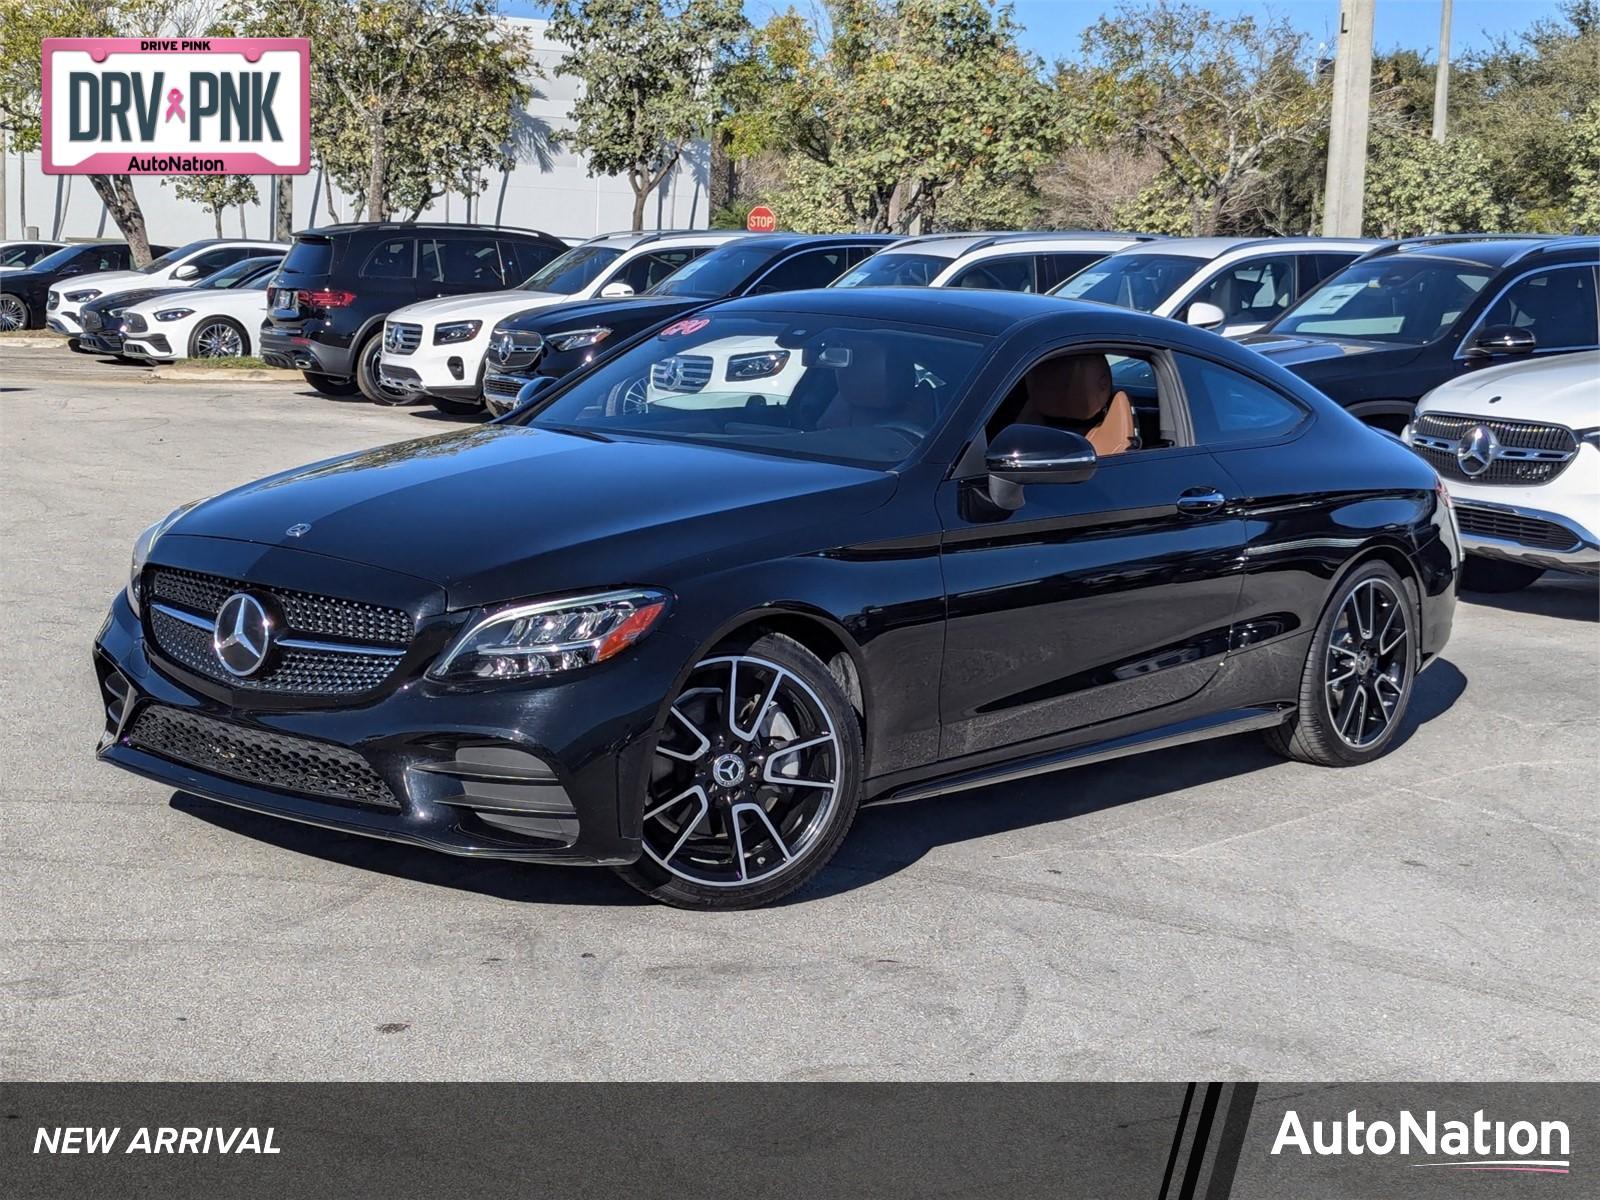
(1198, 501)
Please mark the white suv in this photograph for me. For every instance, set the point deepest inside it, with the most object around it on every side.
(436, 348)
(1518, 447)
(1232, 286)
(178, 268)
(1004, 262)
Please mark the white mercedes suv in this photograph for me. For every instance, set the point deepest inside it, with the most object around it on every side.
(435, 348)
(1005, 262)
(1518, 447)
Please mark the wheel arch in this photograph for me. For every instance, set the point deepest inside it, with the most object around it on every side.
(1393, 553)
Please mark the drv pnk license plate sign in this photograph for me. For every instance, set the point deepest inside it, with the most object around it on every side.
(177, 106)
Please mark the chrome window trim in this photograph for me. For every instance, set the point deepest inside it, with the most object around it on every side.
(1466, 339)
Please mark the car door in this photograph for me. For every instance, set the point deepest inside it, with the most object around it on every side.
(1008, 273)
(1556, 303)
(1250, 293)
(807, 269)
(1094, 600)
(643, 271)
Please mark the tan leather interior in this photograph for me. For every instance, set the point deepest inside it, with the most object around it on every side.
(1070, 389)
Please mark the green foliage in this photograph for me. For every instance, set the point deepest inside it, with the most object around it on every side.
(1583, 166)
(215, 192)
(1416, 185)
(900, 110)
(653, 75)
(733, 215)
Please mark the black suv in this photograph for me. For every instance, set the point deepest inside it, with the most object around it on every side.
(22, 293)
(1401, 320)
(548, 342)
(326, 307)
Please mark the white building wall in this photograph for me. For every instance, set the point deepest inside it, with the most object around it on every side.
(556, 195)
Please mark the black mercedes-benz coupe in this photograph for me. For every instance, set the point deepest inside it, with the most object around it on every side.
(786, 555)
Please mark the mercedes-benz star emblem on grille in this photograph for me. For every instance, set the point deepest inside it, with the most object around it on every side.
(500, 348)
(1477, 451)
(391, 337)
(298, 530)
(243, 634)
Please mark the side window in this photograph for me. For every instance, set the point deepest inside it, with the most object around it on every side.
(215, 260)
(998, 275)
(1115, 398)
(1257, 290)
(647, 270)
(471, 261)
(1226, 406)
(1314, 268)
(393, 258)
(1556, 306)
(528, 257)
(112, 258)
(813, 269)
(1055, 269)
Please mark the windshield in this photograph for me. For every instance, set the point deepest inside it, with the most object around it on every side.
(239, 274)
(715, 274)
(835, 389)
(1140, 281)
(894, 270)
(572, 271)
(61, 258)
(170, 257)
(1388, 300)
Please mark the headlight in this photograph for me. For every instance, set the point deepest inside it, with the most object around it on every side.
(456, 331)
(1589, 437)
(757, 366)
(174, 314)
(577, 339)
(142, 546)
(526, 641)
(86, 294)
(1405, 434)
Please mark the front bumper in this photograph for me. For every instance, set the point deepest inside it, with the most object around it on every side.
(148, 347)
(451, 371)
(64, 322)
(1536, 537)
(532, 774)
(103, 341)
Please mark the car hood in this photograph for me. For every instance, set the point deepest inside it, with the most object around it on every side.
(139, 295)
(485, 306)
(639, 310)
(502, 512)
(1560, 390)
(102, 281)
(1293, 350)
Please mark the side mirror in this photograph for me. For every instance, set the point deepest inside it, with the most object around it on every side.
(187, 271)
(533, 387)
(1024, 454)
(617, 288)
(1496, 340)
(1206, 316)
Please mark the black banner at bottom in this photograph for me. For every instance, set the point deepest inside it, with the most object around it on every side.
(1156, 1141)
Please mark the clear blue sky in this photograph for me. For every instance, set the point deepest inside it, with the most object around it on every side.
(1054, 26)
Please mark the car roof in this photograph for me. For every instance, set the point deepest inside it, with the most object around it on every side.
(957, 245)
(1208, 248)
(627, 239)
(986, 312)
(414, 226)
(1486, 250)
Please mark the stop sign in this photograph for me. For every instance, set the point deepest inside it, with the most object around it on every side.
(761, 220)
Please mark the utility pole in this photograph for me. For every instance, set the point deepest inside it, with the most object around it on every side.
(1441, 75)
(1347, 133)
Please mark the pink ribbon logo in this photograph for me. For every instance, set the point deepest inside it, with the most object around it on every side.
(175, 105)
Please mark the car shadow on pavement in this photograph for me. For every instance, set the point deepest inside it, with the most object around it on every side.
(1570, 597)
(518, 882)
(889, 838)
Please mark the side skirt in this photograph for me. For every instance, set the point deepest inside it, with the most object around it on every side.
(1231, 721)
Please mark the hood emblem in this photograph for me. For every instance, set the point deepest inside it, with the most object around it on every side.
(1477, 451)
(299, 530)
(242, 636)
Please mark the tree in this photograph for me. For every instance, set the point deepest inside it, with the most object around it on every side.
(901, 114)
(1416, 185)
(217, 192)
(1218, 101)
(652, 73)
(1583, 156)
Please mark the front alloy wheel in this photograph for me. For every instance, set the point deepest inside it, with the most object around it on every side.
(219, 339)
(13, 314)
(754, 781)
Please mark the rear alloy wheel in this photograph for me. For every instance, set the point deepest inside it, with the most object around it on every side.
(373, 387)
(755, 780)
(219, 338)
(331, 385)
(1358, 675)
(13, 314)
(1496, 576)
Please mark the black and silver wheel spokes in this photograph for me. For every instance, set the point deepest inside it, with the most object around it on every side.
(219, 340)
(746, 775)
(13, 314)
(1369, 655)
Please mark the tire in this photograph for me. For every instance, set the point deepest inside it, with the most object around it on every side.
(76, 347)
(367, 375)
(1496, 575)
(219, 337)
(715, 813)
(458, 408)
(331, 385)
(1358, 675)
(14, 314)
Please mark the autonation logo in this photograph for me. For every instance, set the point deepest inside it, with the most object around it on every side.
(1476, 1145)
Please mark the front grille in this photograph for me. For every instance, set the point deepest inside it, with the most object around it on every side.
(506, 386)
(401, 337)
(1531, 452)
(272, 760)
(134, 323)
(1526, 531)
(356, 664)
(681, 373)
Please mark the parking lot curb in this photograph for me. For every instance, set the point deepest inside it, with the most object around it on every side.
(224, 375)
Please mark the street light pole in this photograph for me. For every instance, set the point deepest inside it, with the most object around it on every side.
(1441, 75)
(1347, 132)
